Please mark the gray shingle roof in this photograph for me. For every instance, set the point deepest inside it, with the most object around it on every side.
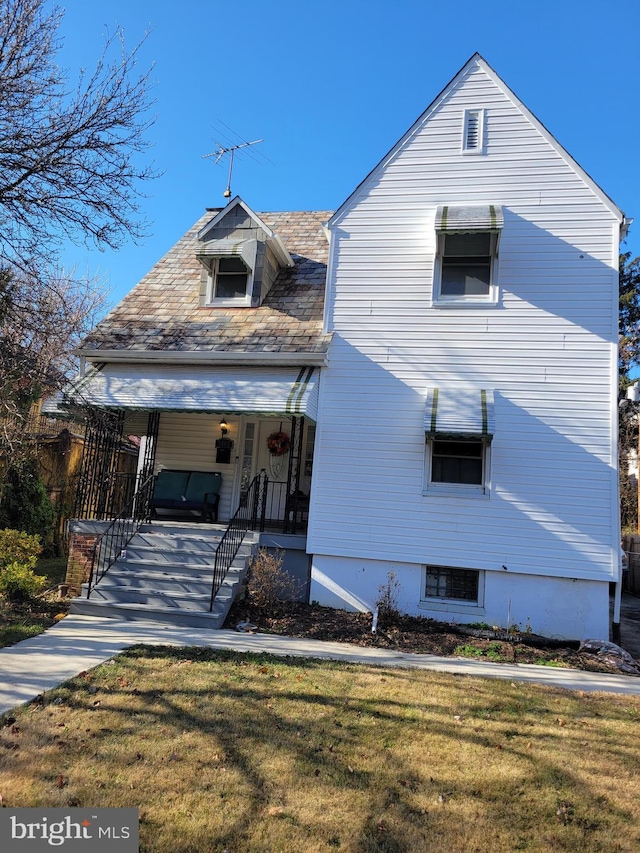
(163, 313)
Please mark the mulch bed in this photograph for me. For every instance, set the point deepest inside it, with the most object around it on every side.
(412, 634)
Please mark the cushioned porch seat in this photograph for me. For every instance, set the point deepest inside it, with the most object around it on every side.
(187, 491)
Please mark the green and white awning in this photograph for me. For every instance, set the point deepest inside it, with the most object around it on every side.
(462, 220)
(459, 413)
(188, 388)
(245, 249)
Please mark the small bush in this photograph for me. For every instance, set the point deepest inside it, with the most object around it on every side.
(18, 582)
(387, 601)
(268, 584)
(18, 557)
(18, 547)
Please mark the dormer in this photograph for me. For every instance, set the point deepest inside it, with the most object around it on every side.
(240, 256)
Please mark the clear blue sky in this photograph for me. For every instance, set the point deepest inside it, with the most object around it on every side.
(331, 86)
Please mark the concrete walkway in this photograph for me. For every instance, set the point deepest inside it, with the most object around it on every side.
(78, 643)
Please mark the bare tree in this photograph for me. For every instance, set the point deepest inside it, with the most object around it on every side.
(70, 161)
(41, 323)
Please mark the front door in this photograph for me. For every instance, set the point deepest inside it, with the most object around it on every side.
(276, 466)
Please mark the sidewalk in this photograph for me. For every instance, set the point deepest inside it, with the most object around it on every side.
(78, 643)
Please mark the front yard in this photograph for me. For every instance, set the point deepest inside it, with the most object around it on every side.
(21, 620)
(225, 752)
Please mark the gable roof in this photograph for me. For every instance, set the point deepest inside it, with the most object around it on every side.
(477, 61)
(278, 246)
(162, 319)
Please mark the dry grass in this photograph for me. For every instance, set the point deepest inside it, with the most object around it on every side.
(255, 754)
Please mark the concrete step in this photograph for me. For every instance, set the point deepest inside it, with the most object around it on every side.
(137, 556)
(190, 618)
(175, 542)
(166, 576)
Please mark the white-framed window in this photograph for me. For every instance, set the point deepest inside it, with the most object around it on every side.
(446, 585)
(229, 281)
(466, 268)
(457, 465)
(473, 132)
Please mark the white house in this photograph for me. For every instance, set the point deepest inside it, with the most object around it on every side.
(467, 422)
(446, 379)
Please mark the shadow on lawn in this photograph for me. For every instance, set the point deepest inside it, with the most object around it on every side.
(404, 798)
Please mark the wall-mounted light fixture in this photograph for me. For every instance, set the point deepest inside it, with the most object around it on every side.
(224, 445)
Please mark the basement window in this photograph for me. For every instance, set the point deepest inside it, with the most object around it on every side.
(445, 584)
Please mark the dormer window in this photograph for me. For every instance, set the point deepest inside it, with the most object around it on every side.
(228, 279)
(241, 258)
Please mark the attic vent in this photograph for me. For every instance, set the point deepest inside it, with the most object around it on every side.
(473, 123)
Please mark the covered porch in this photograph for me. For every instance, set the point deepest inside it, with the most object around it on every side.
(236, 422)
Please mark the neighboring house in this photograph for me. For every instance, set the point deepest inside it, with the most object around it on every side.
(451, 401)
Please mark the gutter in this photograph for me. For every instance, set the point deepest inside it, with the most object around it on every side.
(272, 359)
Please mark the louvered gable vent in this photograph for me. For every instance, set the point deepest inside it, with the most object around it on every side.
(473, 121)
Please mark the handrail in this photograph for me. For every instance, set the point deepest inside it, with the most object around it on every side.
(110, 544)
(250, 513)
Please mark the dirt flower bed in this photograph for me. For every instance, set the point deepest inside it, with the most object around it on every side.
(21, 620)
(412, 634)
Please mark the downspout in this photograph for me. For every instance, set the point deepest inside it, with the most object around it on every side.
(633, 394)
(617, 601)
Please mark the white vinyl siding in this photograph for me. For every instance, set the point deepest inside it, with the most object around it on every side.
(187, 442)
(548, 350)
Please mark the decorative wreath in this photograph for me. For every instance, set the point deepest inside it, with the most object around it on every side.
(278, 443)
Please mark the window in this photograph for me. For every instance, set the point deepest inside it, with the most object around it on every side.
(228, 280)
(446, 584)
(457, 466)
(466, 265)
(457, 461)
(473, 132)
(466, 268)
(459, 425)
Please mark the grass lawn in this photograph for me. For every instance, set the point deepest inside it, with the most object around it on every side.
(248, 754)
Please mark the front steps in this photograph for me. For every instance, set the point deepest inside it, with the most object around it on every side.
(165, 574)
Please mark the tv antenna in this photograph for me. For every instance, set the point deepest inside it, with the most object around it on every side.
(219, 154)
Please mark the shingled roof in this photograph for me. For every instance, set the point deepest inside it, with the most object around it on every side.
(163, 313)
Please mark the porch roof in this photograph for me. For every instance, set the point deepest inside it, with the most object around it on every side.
(190, 388)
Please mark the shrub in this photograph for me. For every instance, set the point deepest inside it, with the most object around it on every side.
(387, 601)
(268, 583)
(18, 547)
(25, 504)
(18, 581)
(18, 556)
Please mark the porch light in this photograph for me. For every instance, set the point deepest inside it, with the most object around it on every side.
(224, 426)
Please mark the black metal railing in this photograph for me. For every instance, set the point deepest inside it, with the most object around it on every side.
(250, 515)
(110, 544)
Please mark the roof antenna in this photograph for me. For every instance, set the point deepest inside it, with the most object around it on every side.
(219, 154)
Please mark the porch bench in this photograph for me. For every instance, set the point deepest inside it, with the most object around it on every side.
(187, 492)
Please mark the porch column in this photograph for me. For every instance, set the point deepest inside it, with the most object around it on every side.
(293, 474)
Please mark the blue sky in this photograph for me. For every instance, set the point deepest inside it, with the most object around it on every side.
(331, 86)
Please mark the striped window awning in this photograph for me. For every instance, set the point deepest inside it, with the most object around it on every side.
(461, 220)
(245, 249)
(267, 391)
(459, 413)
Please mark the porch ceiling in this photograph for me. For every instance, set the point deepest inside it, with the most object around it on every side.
(192, 388)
